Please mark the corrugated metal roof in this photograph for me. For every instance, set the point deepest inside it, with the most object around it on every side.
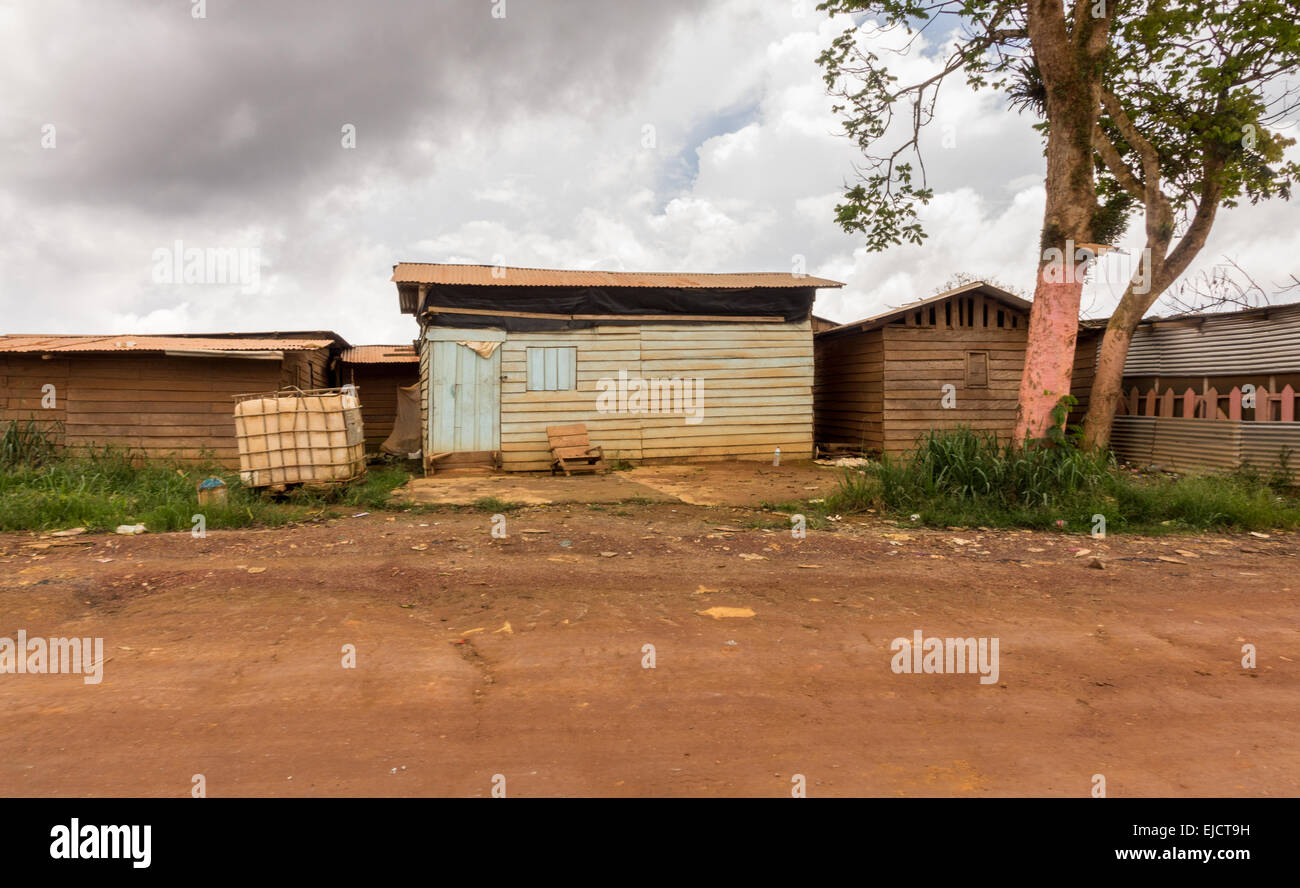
(885, 317)
(502, 276)
(1252, 341)
(72, 344)
(379, 354)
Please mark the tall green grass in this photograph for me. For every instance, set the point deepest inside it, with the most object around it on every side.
(28, 443)
(966, 464)
(103, 489)
(965, 477)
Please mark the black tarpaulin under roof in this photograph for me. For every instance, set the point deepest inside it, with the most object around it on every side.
(542, 299)
(559, 308)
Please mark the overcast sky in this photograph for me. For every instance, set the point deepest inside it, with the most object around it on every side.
(669, 135)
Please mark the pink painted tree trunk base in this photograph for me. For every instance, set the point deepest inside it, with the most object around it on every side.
(1049, 356)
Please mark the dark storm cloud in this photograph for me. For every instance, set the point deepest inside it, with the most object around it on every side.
(172, 115)
(477, 138)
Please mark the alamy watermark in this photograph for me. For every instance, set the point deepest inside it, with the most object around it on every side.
(53, 656)
(1073, 264)
(657, 395)
(179, 264)
(102, 842)
(919, 655)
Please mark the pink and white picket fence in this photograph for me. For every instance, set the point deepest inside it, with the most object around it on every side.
(1268, 406)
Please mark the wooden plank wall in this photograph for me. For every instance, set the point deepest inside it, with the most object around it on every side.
(305, 369)
(162, 406)
(602, 352)
(155, 405)
(920, 359)
(848, 393)
(425, 350)
(883, 386)
(377, 387)
(757, 392)
(22, 378)
(1085, 370)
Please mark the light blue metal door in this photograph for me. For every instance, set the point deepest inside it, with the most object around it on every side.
(465, 405)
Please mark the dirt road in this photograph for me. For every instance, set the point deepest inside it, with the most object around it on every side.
(523, 657)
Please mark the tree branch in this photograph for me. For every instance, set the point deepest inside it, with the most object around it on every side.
(1193, 239)
(1118, 168)
(1146, 151)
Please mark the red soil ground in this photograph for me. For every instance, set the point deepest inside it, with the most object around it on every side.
(523, 657)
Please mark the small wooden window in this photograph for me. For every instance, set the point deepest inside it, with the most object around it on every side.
(552, 369)
(977, 369)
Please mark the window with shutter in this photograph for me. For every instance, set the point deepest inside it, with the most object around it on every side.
(552, 369)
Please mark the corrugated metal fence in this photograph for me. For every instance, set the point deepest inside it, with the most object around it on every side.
(1184, 444)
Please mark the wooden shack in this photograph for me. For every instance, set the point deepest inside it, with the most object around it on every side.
(378, 371)
(953, 359)
(659, 366)
(159, 396)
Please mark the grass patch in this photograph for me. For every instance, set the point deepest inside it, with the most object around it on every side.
(961, 477)
(814, 514)
(28, 443)
(101, 490)
(790, 506)
(493, 505)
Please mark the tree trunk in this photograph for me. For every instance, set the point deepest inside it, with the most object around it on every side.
(1068, 57)
(1108, 384)
(1054, 316)
(1049, 355)
(1162, 270)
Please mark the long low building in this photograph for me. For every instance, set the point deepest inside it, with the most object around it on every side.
(1210, 390)
(658, 366)
(159, 396)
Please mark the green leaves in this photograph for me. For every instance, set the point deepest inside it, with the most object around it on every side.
(884, 211)
(1203, 82)
(883, 204)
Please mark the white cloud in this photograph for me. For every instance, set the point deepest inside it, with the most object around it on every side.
(745, 172)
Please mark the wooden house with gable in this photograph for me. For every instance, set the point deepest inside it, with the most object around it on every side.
(953, 359)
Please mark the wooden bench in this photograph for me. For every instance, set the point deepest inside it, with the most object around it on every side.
(571, 450)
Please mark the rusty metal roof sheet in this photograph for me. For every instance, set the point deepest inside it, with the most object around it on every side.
(502, 276)
(74, 344)
(379, 354)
